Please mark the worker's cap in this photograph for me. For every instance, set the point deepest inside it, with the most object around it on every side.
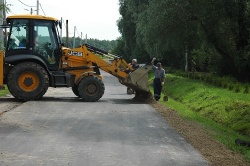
(135, 60)
(158, 64)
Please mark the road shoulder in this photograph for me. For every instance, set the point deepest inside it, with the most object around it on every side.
(214, 152)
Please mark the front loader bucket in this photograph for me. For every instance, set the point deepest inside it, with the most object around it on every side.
(138, 79)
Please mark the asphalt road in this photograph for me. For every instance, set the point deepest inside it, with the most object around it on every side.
(62, 130)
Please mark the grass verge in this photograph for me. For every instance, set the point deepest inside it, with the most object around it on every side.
(4, 92)
(225, 114)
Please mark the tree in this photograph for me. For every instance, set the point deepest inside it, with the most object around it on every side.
(130, 9)
(214, 33)
(225, 24)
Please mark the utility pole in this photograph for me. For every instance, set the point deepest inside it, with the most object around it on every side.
(1, 23)
(74, 41)
(4, 12)
(81, 39)
(4, 23)
(37, 7)
(31, 10)
(67, 33)
(61, 28)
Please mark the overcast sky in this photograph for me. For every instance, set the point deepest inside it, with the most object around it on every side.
(96, 18)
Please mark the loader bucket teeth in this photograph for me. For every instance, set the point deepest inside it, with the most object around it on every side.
(142, 96)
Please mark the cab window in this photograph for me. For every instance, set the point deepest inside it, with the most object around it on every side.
(19, 35)
(44, 41)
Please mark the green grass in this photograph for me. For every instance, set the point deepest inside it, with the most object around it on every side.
(225, 113)
(4, 92)
(219, 132)
(226, 82)
(221, 105)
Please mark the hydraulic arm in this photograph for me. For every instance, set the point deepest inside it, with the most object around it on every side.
(114, 65)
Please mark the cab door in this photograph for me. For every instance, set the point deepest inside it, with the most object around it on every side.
(18, 38)
(45, 43)
(34, 39)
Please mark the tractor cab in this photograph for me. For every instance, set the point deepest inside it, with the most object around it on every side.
(35, 38)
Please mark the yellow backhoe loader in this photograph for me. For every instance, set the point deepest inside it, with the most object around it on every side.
(35, 59)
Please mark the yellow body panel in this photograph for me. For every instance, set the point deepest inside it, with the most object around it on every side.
(81, 56)
(38, 17)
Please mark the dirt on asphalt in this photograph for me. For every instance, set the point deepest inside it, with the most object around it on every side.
(7, 104)
(214, 152)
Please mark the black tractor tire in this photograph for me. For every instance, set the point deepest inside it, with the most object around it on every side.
(28, 81)
(75, 90)
(91, 89)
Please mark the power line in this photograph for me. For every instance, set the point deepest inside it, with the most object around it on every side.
(33, 6)
(40, 6)
(26, 4)
(42, 9)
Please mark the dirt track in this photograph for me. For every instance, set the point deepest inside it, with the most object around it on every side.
(216, 153)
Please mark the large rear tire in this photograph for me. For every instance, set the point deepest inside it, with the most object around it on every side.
(91, 89)
(28, 81)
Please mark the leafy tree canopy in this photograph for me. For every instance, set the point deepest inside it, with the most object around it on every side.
(213, 33)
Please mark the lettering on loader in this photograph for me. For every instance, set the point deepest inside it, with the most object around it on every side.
(75, 53)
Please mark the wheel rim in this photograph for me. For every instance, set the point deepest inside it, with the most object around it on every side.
(28, 81)
(91, 89)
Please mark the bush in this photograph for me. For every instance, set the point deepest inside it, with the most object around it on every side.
(226, 82)
(237, 88)
(230, 86)
(246, 91)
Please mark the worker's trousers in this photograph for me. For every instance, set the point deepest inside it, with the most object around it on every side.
(157, 88)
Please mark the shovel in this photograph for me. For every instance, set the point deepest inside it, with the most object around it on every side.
(165, 97)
